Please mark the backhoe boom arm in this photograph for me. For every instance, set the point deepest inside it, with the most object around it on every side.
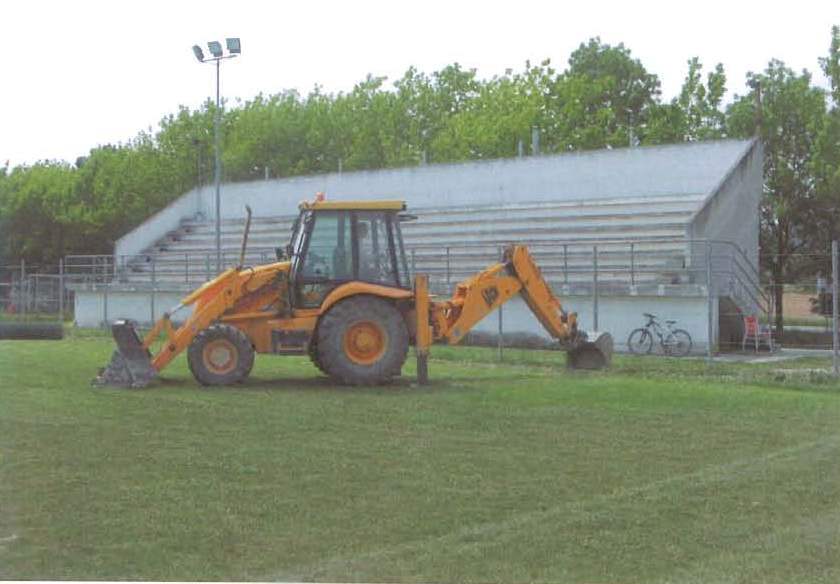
(485, 292)
(488, 290)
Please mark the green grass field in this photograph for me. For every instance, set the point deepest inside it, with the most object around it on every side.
(657, 471)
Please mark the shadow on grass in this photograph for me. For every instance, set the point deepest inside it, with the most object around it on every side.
(398, 387)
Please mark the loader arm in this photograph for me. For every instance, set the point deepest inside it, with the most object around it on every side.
(235, 291)
(485, 292)
(242, 289)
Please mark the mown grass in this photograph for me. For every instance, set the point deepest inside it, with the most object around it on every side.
(661, 470)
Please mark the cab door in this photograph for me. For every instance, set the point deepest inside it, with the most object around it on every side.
(324, 259)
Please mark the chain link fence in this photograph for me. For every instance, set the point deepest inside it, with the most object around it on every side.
(34, 293)
(742, 310)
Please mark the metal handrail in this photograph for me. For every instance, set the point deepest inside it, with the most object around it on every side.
(191, 266)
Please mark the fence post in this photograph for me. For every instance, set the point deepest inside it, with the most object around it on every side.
(105, 287)
(835, 304)
(595, 287)
(61, 290)
(501, 326)
(632, 264)
(709, 301)
(24, 296)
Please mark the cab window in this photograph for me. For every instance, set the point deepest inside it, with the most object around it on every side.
(376, 258)
(327, 259)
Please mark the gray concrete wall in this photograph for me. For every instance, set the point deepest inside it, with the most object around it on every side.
(731, 212)
(101, 306)
(618, 315)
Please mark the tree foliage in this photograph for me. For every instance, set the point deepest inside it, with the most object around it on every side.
(603, 98)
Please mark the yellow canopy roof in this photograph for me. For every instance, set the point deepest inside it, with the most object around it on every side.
(382, 205)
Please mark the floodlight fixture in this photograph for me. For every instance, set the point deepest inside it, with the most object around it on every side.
(199, 54)
(233, 46)
(215, 48)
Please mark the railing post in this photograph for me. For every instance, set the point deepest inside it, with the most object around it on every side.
(413, 264)
(632, 264)
(186, 268)
(154, 285)
(710, 302)
(447, 269)
(207, 265)
(835, 305)
(595, 287)
(566, 264)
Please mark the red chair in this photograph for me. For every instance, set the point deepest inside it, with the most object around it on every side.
(757, 333)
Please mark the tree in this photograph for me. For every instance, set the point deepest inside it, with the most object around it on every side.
(831, 65)
(607, 79)
(826, 161)
(695, 114)
(791, 119)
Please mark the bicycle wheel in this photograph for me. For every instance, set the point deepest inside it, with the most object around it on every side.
(640, 341)
(678, 343)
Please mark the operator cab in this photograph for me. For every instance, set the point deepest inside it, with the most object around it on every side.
(335, 242)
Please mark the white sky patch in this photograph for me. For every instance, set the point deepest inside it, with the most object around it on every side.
(80, 74)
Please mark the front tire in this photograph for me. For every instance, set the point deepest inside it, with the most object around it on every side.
(362, 340)
(220, 355)
(640, 341)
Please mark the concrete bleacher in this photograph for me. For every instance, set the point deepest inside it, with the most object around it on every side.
(451, 244)
(675, 226)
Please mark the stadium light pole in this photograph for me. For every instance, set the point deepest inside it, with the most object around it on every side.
(234, 49)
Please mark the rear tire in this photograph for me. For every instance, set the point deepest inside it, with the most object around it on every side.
(678, 343)
(640, 341)
(220, 355)
(313, 354)
(362, 340)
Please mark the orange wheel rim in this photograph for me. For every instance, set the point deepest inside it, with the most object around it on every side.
(220, 356)
(364, 342)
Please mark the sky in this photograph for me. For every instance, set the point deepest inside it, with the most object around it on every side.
(75, 75)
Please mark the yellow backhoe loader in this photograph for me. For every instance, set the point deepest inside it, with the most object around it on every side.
(341, 293)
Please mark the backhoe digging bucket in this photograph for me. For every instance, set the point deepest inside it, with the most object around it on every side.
(592, 354)
(131, 364)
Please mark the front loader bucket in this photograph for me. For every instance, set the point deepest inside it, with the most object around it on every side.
(593, 353)
(131, 364)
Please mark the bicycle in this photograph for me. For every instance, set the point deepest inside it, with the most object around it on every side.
(673, 341)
